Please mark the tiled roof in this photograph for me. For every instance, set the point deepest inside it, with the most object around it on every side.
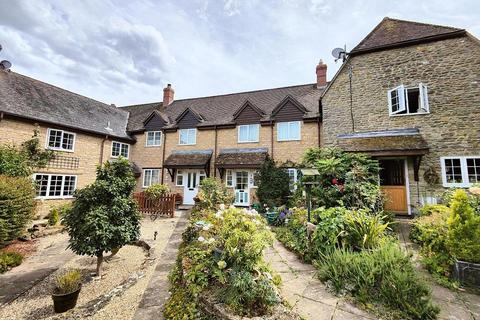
(388, 142)
(217, 110)
(395, 32)
(188, 159)
(241, 158)
(32, 99)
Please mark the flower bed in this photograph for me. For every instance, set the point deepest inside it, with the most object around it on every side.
(355, 255)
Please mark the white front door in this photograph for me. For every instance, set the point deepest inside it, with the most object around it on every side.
(242, 193)
(192, 180)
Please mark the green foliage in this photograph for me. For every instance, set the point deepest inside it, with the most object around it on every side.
(156, 191)
(53, 217)
(364, 230)
(383, 276)
(19, 162)
(104, 215)
(463, 236)
(222, 255)
(293, 234)
(9, 260)
(68, 282)
(346, 179)
(212, 194)
(17, 206)
(273, 184)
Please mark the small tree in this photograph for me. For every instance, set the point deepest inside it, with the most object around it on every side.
(274, 184)
(104, 216)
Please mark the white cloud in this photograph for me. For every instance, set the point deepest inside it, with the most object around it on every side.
(125, 52)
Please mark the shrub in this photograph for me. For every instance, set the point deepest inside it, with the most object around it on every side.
(273, 184)
(68, 282)
(17, 206)
(364, 230)
(222, 255)
(463, 236)
(9, 260)
(212, 194)
(293, 234)
(345, 179)
(104, 217)
(53, 216)
(156, 191)
(383, 276)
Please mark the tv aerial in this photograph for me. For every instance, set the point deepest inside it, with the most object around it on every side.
(340, 53)
(5, 64)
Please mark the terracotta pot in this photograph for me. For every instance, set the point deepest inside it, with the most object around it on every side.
(65, 302)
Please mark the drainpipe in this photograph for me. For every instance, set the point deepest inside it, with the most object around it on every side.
(319, 121)
(163, 153)
(271, 137)
(215, 153)
(102, 148)
(1, 116)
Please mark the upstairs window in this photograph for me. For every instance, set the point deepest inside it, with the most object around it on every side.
(460, 171)
(119, 149)
(60, 140)
(187, 136)
(288, 131)
(154, 138)
(248, 133)
(408, 101)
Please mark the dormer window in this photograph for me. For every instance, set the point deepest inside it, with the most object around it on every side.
(408, 101)
(60, 140)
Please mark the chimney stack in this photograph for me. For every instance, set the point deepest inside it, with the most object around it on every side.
(321, 74)
(168, 94)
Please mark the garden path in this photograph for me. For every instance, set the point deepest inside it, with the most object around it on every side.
(454, 304)
(51, 254)
(305, 293)
(157, 291)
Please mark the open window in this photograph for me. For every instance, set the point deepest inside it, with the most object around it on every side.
(408, 101)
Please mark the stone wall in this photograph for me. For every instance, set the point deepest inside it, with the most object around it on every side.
(451, 71)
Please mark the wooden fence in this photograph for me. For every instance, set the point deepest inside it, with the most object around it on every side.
(165, 206)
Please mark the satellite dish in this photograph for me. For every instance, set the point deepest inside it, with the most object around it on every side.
(338, 52)
(5, 65)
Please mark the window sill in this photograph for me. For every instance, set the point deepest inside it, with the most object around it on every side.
(186, 144)
(409, 114)
(54, 198)
(61, 150)
(116, 157)
(153, 146)
(289, 140)
(248, 141)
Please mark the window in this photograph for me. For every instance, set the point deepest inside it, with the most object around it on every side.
(60, 140)
(187, 136)
(154, 138)
(241, 180)
(229, 178)
(402, 101)
(287, 131)
(179, 181)
(460, 171)
(248, 133)
(292, 174)
(54, 186)
(119, 149)
(253, 183)
(150, 176)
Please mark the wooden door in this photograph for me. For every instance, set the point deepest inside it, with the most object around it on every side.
(393, 185)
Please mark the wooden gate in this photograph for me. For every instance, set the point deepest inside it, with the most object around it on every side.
(164, 206)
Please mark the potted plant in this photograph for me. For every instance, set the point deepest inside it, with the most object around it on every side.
(67, 288)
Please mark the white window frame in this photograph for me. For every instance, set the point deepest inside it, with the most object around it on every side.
(179, 173)
(401, 90)
(288, 124)
(147, 133)
(252, 183)
(464, 168)
(293, 187)
(146, 185)
(61, 143)
(61, 196)
(188, 131)
(249, 127)
(229, 178)
(121, 144)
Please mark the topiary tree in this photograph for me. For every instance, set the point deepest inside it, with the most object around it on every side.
(274, 184)
(17, 206)
(104, 217)
(463, 236)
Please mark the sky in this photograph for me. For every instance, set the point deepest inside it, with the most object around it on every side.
(125, 52)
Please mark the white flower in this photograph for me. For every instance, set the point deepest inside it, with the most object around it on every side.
(222, 207)
(269, 276)
(206, 227)
(211, 240)
(201, 239)
(254, 212)
(256, 222)
(218, 214)
(231, 206)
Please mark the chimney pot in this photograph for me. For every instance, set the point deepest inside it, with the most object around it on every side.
(168, 95)
(321, 70)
